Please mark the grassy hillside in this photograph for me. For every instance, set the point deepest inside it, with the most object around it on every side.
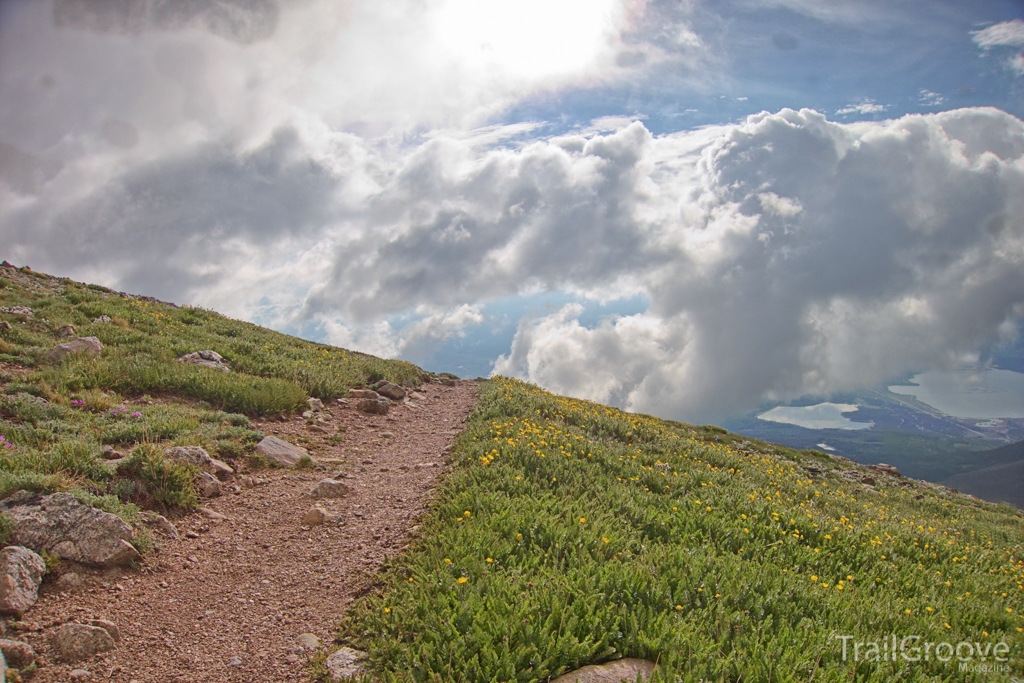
(570, 533)
(135, 396)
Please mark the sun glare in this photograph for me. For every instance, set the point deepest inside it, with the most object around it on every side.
(530, 39)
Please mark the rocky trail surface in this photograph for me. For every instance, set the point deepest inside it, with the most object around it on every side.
(229, 600)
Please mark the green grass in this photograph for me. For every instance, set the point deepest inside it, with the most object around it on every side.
(569, 533)
(55, 419)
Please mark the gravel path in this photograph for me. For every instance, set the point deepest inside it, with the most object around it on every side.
(228, 604)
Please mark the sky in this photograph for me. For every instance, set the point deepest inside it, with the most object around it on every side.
(685, 208)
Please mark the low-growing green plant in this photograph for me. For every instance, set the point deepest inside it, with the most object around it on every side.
(50, 560)
(6, 528)
(166, 482)
(304, 463)
(569, 533)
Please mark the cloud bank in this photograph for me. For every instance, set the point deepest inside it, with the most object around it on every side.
(320, 168)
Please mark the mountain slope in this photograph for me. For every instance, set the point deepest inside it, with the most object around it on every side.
(570, 533)
(1003, 482)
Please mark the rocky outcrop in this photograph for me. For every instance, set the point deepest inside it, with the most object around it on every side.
(610, 672)
(68, 529)
(280, 451)
(884, 468)
(86, 346)
(200, 458)
(206, 359)
(21, 572)
(75, 642)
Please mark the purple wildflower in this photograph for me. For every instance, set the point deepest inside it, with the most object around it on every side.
(136, 414)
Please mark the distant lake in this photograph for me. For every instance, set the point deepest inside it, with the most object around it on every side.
(820, 416)
(985, 394)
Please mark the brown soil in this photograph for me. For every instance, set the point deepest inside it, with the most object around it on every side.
(246, 587)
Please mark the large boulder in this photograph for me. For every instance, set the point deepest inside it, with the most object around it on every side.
(207, 359)
(610, 672)
(280, 451)
(21, 572)
(75, 642)
(200, 458)
(89, 346)
(60, 525)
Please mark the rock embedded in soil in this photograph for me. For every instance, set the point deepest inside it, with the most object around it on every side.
(315, 516)
(75, 642)
(373, 406)
(199, 457)
(328, 488)
(89, 346)
(280, 451)
(391, 391)
(60, 525)
(208, 485)
(307, 641)
(159, 523)
(345, 664)
(17, 653)
(21, 572)
(610, 672)
(207, 359)
(108, 626)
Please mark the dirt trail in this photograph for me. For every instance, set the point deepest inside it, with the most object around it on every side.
(246, 587)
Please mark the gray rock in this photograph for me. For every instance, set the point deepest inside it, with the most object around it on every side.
(235, 661)
(200, 458)
(206, 359)
(109, 453)
(89, 346)
(391, 391)
(315, 516)
(4, 325)
(21, 572)
(345, 664)
(108, 626)
(447, 381)
(208, 485)
(211, 514)
(373, 406)
(102, 319)
(79, 674)
(363, 393)
(315, 404)
(23, 311)
(66, 331)
(69, 581)
(17, 653)
(281, 451)
(68, 529)
(75, 642)
(307, 641)
(328, 488)
(610, 672)
(160, 524)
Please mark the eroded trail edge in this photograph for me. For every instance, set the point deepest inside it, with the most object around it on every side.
(227, 600)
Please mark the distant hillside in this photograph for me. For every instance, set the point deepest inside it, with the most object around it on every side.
(999, 483)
